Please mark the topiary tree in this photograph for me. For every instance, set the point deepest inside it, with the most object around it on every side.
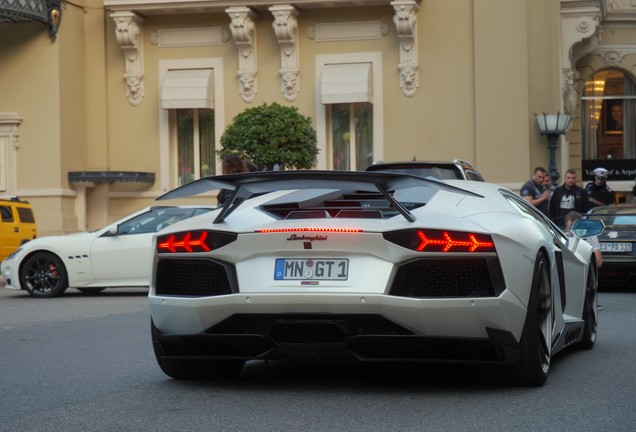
(272, 134)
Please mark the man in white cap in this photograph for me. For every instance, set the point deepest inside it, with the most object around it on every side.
(598, 192)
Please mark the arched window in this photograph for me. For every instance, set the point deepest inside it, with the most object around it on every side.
(608, 122)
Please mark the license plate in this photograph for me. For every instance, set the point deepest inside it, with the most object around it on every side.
(321, 269)
(616, 247)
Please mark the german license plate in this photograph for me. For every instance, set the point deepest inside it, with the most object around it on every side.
(311, 268)
(616, 247)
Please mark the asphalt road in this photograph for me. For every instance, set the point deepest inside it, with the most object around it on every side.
(85, 363)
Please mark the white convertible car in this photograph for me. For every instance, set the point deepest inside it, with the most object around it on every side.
(369, 267)
(118, 255)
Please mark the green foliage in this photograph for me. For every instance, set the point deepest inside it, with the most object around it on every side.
(270, 134)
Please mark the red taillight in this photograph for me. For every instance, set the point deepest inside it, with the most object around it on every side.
(193, 241)
(328, 230)
(441, 241)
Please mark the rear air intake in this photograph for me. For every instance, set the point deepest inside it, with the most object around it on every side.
(193, 277)
(425, 278)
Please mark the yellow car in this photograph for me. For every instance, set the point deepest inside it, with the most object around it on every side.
(17, 225)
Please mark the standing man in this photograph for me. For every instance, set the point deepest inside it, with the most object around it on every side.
(566, 198)
(534, 192)
(598, 192)
(547, 182)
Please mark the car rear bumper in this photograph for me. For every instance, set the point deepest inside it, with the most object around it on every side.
(342, 327)
(333, 339)
(617, 270)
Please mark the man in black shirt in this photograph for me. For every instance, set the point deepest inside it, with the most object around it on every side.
(534, 192)
(566, 198)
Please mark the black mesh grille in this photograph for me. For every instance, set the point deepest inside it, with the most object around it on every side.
(192, 277)
(358, 205)
(446, 278)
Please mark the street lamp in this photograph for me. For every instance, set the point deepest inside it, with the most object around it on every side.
(553, 126)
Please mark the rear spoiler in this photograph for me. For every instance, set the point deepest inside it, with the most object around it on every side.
(245, 185)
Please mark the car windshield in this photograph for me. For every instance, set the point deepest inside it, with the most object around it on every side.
(157, 219)
(616, 220)
(443, 173)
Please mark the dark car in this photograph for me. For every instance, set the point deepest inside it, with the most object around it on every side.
(457, 169)
(618, 241)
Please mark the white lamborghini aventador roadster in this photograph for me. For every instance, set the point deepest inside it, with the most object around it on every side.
(365, 266)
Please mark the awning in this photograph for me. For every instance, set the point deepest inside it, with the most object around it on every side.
(24, 11)
(188, 88)
(48, 12)
(346, 83)
(110, 177)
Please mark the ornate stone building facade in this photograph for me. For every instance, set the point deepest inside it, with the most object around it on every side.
(107, 104)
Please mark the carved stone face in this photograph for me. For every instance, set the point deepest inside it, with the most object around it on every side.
(410, 77)
(289, 81)
(134, 84)
(247, 82)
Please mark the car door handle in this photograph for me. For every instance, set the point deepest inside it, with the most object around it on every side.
(16, 229)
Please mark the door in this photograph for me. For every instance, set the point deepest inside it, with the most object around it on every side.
(122, 259)
(9, 232)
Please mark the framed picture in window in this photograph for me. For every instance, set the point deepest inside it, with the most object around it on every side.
(613, 117)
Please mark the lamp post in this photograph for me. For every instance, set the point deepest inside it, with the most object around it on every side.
(553, 126)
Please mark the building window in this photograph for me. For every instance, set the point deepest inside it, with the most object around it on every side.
(351, 131)
(349, 110)
(609, 105)
(194, 144)
(191, 119)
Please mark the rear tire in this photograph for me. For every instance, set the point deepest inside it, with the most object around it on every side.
(194, 369)
(536, 340)
(590, 309)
